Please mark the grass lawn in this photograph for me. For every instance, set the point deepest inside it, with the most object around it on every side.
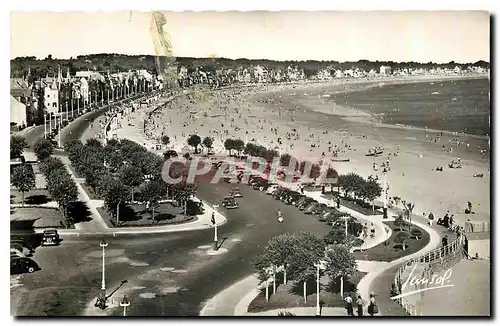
(138, 215)
(291, 295)
(32, 197)
(22, 218)
(355, 206)
(393, 250)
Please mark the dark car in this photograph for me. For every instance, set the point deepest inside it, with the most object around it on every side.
(260, 184)
(254, 178)
(292, 197)
(311, 207)
(229, 203)
(301, 201)
(50, 238)
(319, 210)
(280, 192)
(23, 265)
(306, 203)
(235, 192)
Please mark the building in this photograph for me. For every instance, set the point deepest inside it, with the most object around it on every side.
(385, 70)
(18, 116)
(51, 98)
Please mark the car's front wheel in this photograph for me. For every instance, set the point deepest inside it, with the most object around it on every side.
(31, 269)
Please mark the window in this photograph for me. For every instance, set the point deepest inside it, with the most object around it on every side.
(48, 95)
(54, 104)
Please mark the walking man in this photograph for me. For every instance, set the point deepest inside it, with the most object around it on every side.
(349, 308)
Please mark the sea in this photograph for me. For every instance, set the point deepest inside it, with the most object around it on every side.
(461, 105)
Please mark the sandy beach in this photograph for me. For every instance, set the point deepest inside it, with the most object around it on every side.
(300, 120)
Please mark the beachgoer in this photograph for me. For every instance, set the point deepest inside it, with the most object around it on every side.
(431, 218)
(348, 307)
(359, 304)
(372, 307)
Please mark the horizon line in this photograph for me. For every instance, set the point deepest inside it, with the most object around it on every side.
(261, 59)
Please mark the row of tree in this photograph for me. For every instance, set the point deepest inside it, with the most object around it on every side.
(297, 255)
(356, 187)
(121, 62)
(122, 172)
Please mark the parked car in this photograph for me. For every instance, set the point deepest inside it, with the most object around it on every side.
(319, 210)
(291, 197)
(235, 192)
(50, 238)
(301, 201)
(271, 189)
(260, 184)
(279, 193)
(229, 203)
(23, 265)
(309, 209)
(253, 179)
(306, 203)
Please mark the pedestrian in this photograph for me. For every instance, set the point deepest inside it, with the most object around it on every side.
(359, 304)
(431, 218)
(349, 308)
(372, 307)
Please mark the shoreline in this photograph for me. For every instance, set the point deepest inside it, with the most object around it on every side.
(366, 117)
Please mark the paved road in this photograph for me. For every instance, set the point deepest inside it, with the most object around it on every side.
(71, 273)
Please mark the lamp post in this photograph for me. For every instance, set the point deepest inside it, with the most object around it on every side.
(101, 298)
(59, 130)
(384, 171)
(124, 303)
(319, 266)
(44, 124)
(216, 239)
(103, 245)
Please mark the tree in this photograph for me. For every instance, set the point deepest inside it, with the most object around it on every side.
(308, 252)
(165, 140)
(49, 165)
(401, 238)
(278, 252)
(23, 178)
(151, 192)
(115, 194)
(72, 145)
(208, 142)
(371, 191)
(194, 141)
(238, 146)
(285, 159)
(229, 145)
(93, 142)
(340, 263)
(132, 177)
(17, 145)
(351, 183)
(62, 189)
(43, 148)
(399, 222)
(408, 210)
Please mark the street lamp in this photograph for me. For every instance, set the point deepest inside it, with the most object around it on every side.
(124, 303)
(101, 298)
(384, 171)
(319, 266)
(216, 239)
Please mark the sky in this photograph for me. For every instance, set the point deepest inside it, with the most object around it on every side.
(421, 36)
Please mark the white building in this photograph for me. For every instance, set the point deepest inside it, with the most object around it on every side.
(17, 112)
(385, 70)
(84, 89)
(51, 100)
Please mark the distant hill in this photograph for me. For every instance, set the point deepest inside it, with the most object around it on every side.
(120, 62)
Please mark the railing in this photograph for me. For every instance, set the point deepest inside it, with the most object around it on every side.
(454, 248)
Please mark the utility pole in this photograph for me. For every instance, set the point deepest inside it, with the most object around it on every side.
(101, 299)
(72, 111)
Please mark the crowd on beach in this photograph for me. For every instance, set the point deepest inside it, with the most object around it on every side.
(270, 115)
